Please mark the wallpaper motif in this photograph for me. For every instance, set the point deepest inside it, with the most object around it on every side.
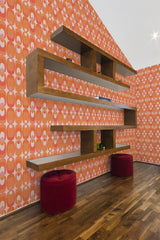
(148, 108)
(24, 122)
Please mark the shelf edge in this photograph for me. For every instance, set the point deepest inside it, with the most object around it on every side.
(88, 128)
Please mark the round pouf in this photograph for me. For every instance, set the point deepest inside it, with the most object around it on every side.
(58, 191)
(122, 165)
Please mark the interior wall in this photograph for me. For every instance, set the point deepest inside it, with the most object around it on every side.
(25, 122)
(148, 117)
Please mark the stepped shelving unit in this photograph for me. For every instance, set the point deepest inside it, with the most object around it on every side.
(90, 54)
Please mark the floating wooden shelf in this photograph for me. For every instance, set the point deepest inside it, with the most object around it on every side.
(46, 163)
(39, 60)
(71, 40)
(61, 96)
(36, 62)
(88, 128)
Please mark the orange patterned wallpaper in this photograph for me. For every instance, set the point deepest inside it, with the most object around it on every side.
(25, 122)
(148, 117)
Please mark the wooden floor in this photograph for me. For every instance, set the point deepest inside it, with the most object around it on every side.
(108, 208)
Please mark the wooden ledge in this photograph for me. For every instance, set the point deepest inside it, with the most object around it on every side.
(88, 128)
(71, 40)
(50, 162)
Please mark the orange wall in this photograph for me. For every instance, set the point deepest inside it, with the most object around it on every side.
(24, 122)
(148, 117)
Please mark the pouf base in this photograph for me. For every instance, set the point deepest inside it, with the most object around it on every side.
(122, 165)
(58, 191)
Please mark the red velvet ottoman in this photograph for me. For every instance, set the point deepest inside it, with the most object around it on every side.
(122, 165)
(58, 191)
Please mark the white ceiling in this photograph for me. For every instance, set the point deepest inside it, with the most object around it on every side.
(131, 24)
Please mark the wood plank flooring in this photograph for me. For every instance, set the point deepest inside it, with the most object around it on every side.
(107, 208)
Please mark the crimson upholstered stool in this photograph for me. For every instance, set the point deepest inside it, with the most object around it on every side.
(58, 191)
(122, 165)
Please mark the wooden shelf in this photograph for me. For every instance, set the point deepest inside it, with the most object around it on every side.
(89, 128)
(39, 60)
(61, 96)
(46, 163)
(71, 40)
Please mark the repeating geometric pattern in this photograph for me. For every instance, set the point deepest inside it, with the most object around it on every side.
(24, 122)
(148, 117)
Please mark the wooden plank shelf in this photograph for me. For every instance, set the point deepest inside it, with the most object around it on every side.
(89, 128)
(49, 162)
(62, 96)
(71, 40)
(39, 60)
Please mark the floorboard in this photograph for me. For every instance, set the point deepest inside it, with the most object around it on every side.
(107, 208)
